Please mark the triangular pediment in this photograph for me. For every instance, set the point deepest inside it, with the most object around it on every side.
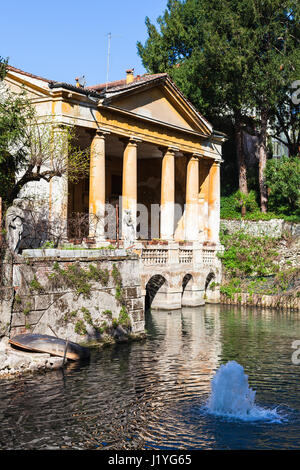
(161, 103)
(35, 88)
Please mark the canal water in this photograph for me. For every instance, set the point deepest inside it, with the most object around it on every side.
(153, 394)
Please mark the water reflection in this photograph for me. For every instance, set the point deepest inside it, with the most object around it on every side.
(151, 394)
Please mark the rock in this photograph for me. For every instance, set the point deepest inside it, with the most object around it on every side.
(15, 362)
(3, 360)
(120, 334)
(4, 343)
(54, 363)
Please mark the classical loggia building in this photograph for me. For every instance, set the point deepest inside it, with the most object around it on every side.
(156, 159)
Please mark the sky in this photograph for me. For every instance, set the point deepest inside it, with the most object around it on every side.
(64, 39)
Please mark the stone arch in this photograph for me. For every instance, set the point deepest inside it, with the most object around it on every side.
(154, 284)
(212, 293)
(209, 279)
(192, 293)
(187, 283)
(188, 278)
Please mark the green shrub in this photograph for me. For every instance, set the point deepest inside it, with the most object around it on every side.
(80, 328)
(228, 208)
(124, 318)
(48, 244)
(283, 180)
(107, 313)
(116, 275)
(245, 255)
(98, 275)
(231, 206)
(250, 264)
(35, 285)
(246, 200)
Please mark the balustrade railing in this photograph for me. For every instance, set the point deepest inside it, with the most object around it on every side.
(185, 255)
(182, 255)
(208, 256)
(152, 256)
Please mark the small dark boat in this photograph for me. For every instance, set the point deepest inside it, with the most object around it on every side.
(51, 345)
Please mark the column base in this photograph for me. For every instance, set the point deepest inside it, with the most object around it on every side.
(166, 300)
(193, 298)
(212, 297)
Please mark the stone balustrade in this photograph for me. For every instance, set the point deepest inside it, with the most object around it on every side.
(173, 253)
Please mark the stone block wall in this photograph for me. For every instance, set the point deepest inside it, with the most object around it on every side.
(73, 296)
(272, 228)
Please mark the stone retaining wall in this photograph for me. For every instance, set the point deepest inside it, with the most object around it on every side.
(288, 249)
(273, 228)
(35, 303)
(271, 301)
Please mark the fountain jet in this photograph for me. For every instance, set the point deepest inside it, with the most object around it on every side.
(231, 395)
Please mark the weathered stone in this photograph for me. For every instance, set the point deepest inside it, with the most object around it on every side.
(4, 343)
(19, 319)
(6, 304)
(3, 360)
(131, 292)
(272, 228)
(42, 301)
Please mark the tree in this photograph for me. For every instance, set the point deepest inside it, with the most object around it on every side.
(32, 149)
(285, 125)
(283, 179)
(3, 63)
(275, 66)
(230, 58)
(199, 46)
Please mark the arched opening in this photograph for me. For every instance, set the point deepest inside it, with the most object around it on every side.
(210, 277)
(187, 296)
(152, 287)
(185, 282)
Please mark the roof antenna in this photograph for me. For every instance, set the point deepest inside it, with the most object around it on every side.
(108, 56)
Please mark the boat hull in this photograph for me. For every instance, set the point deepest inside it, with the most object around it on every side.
(51, 345)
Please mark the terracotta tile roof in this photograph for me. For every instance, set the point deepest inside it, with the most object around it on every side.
(113, 86)
(14, 69)
(102, 86)
(121, 84)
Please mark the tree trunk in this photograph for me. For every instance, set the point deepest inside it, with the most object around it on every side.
(262, 143)
(242, 170)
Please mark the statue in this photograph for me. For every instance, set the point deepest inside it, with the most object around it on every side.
(15, 225)
(128, 229)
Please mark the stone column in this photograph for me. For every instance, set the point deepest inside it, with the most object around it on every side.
(58, 187)
(204, 166)
(214, 203)
(129, 191)
(167, 210)
(192, 192)
(97, 187)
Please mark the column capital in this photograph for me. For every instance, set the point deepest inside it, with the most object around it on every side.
(217, 162)
(194, 155)
(198, 155)
(102, 133)
(168, 149)
(132, 140)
